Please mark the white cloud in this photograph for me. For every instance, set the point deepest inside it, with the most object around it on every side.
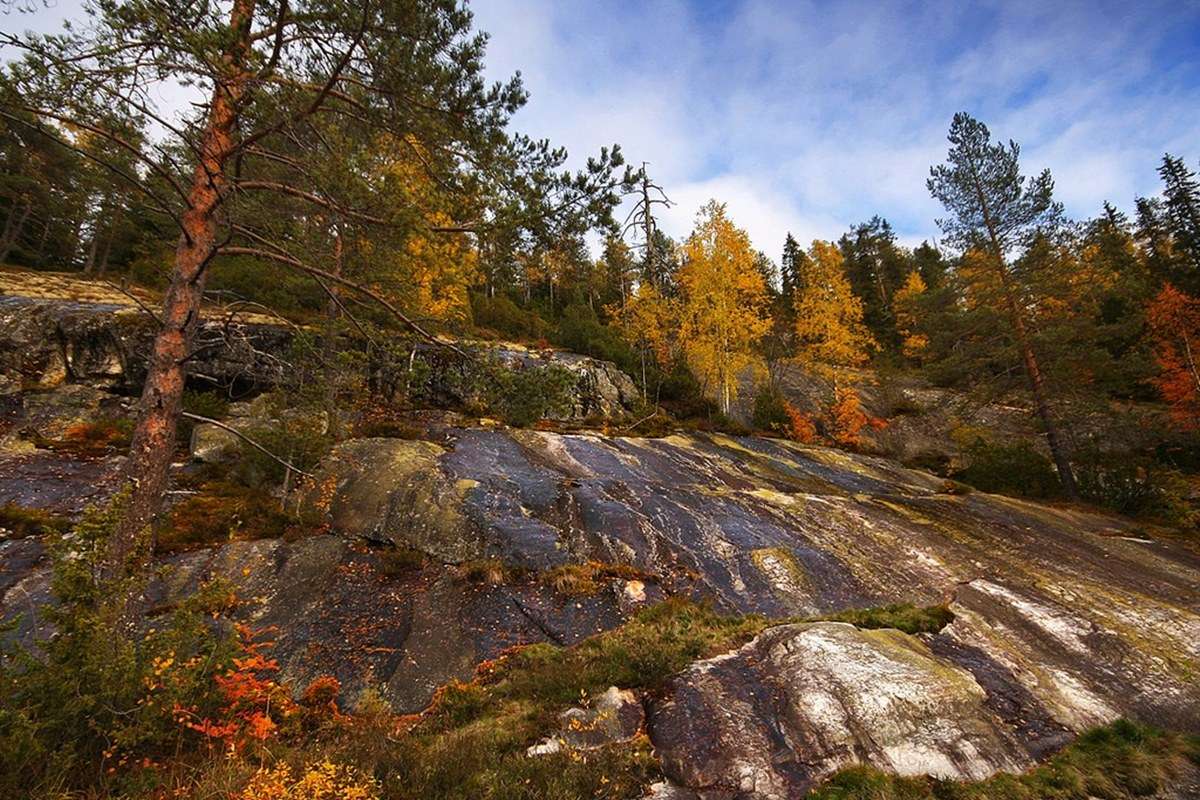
(810, 116)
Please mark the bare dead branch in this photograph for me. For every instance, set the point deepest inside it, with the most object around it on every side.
(352, 285)
(246, 439)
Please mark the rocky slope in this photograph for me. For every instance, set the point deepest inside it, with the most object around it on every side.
(57, 330)
(1062, 619)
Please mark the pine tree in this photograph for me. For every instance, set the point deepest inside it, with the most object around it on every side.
(1182, 194)
(267, 71)
(876, 267)
(788, 266)
(928, 260)
(994, 210)
(1154, 239)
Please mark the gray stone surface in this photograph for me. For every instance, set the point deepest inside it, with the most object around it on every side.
(801, 701)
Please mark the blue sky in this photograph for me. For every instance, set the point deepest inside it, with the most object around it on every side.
(811, 116)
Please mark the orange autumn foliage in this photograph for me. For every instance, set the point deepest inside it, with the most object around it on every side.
(847, 418)
(254, 703)
(1174, 322)
(803, 429)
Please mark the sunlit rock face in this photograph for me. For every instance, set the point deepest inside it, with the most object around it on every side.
(1063, 619)
(800, 701)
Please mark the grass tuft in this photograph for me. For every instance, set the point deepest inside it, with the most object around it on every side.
(17, 522)
(1120, 761)
(396, 561)
(901, 616)
(584, 580)
(488, 571)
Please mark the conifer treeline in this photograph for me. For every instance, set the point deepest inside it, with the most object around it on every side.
(1103, 309)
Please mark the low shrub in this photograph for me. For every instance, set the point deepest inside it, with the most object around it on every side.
(96, 705)
(321, 780)
(1013, 468)
(581, 331)
(300, 437)
(524, 396)
(802, 428)
(1137, 487)
(220, 512)
(502, 315)
(846, 418)
(91, 439)
(205, 404)
(518, 394)
(17, 522)
(771, 410)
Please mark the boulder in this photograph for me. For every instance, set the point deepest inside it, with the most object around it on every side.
(800, 701)
(616, 716)
(211, 444)
(45, 342)
(395, 491)
(600, 389)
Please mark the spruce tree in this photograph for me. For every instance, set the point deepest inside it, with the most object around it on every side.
(1182, 204)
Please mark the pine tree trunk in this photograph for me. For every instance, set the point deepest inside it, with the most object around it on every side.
(1033, 371)
(102, 267)
(1037, 387)
(154, 436)
(329, 346)
(90, 264)
(12, 230)
(42, 241)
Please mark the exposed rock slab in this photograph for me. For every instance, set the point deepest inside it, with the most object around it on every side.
(800, 701)
(331, 611)
(1064, 619)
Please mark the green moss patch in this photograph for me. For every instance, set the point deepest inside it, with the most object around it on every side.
(17, 522)
(901, 616)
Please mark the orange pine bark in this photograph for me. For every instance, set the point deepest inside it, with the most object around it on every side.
(154, 437)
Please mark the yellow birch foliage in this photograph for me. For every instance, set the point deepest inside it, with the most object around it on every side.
(322, 780)
(649, 319)
(905, 307)
(723, 300)
(829, 316)
(431, 271)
